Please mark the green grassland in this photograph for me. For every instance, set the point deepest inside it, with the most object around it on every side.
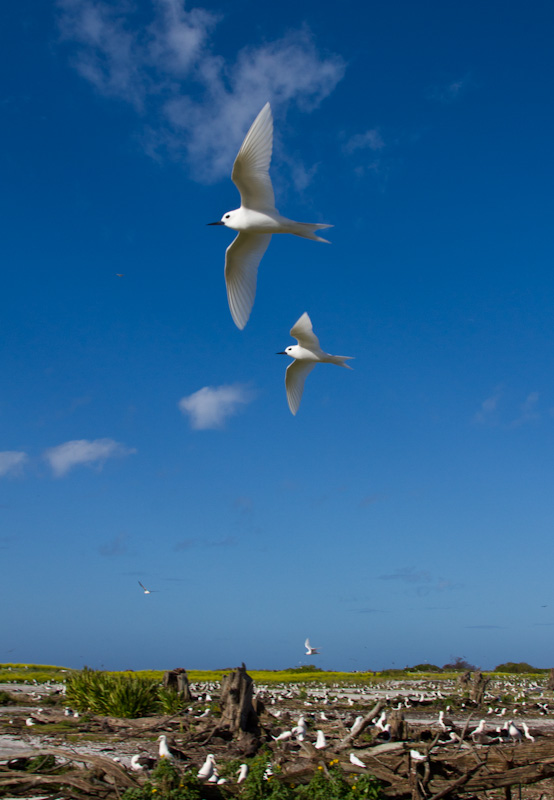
(21, 673)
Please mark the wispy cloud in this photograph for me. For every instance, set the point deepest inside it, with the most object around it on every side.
(11, 462)
(116, 547)
(421, 581)
(407, 575)
(488, 408)
(528, 411)
(82, 451)
(449, 92)
(370, 140)
(196, 106)
(189, 544)
(371, 499)
(489, 412)
(485, 627)
(208, 408)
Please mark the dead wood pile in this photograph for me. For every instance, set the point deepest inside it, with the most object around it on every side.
(102, 777)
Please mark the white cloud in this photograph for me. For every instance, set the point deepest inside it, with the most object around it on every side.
(449, 92)
(209, 407)
(528, 411)
(82, 451)
(199, 105)
(11, 462)
(488, 408)
(371, 140)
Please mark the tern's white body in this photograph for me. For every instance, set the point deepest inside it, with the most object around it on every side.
(310, 651)
(256, 219)
(307, 353)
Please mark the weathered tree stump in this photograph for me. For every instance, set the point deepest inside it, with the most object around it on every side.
(398, 727)
(550, 681)
(464, 680)
(177, 679)
(237, 710)
(477, 687)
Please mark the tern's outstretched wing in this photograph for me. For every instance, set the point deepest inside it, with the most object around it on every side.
(144, 587)
(294, 382)
(303, 333)
(242, 258)
(251, 168)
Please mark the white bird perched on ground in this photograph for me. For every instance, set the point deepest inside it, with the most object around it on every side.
(145, 590)
(357, 724)
(282, 736)
(479, 729)
(356, 761)
(243, 772)
(310, 651)
(526, 732)
(141, 762)
(207, 769)
(513, 732)
(168, 751)
(301, 729)
(256, 219)
(320, 742)
(307, 353)
(382, 721)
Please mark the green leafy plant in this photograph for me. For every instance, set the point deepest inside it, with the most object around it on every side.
(171, 702)
(124, 696)
(167, 782)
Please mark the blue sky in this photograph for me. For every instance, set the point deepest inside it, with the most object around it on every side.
(406, 513)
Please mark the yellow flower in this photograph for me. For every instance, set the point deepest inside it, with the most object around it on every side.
(320, 768)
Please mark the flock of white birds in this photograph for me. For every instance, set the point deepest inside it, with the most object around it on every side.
(256, 221)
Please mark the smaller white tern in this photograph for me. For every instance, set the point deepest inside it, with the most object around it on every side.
(307, 353)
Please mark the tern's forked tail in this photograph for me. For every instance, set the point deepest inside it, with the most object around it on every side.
(339, 360)
(307, 230)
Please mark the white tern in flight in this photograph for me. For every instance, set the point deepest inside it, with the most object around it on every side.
(310, 651)
(256, 219)
(307, 353)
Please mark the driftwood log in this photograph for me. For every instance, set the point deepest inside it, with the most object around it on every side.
(177, 679)
(347, 741)
(237, 709)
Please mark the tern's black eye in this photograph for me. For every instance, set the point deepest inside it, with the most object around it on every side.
(227, 216)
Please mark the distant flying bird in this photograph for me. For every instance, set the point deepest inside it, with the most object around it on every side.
(307, 353)
(119, 274)
(310, 651)
(256, 219)
(147, 591)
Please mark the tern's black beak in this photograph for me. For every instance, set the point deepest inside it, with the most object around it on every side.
(281, 353)
(215, 223)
